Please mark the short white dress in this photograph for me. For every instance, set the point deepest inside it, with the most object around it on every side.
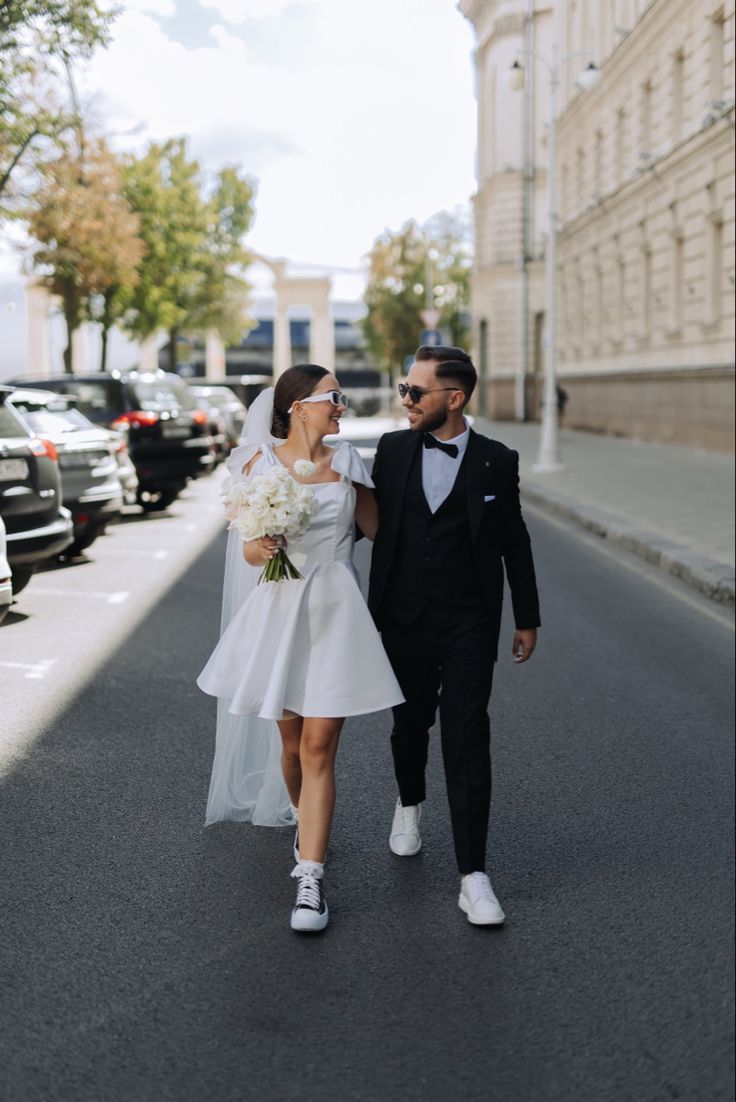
(306, 646)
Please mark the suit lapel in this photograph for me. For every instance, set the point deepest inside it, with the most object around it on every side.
(475, 483)
(400, 477)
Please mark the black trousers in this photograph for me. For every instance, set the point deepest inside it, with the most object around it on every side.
(451, 667)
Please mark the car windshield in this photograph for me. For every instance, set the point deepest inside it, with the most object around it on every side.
(9, 425)
(157, 394)
(94, 400)
(50, 419)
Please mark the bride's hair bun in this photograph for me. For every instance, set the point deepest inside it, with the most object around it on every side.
(296, 383)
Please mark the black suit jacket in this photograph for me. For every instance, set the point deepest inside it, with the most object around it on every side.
(498, 532)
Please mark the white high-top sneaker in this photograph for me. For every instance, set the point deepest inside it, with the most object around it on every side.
(405, 838)
(310, 914)
(479, 902)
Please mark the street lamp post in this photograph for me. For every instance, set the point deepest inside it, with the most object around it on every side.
(549, 459)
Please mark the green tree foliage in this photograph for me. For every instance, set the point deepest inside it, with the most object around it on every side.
(188, 279)
(38, 39)
(86, 235)
(401, 265)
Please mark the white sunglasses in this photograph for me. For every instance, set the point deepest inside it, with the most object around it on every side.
(335, 396)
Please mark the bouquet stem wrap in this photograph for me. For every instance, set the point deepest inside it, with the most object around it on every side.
(279, 568)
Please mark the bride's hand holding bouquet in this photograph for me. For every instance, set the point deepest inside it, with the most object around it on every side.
(267, 509)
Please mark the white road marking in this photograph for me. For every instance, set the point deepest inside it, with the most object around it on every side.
(34, 670)
(111, 598)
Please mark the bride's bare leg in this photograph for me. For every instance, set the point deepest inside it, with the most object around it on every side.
(317, 802)
(291, 767)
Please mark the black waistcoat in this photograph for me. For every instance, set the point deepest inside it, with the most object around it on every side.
(433, 571)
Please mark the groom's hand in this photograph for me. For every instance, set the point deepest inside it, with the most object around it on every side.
(522, 648)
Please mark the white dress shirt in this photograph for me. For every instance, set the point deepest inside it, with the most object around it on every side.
(439, 470)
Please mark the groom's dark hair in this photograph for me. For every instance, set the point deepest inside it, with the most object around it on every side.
(452, 364)
(295, 383)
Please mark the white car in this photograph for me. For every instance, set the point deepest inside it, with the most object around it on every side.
(6, 583)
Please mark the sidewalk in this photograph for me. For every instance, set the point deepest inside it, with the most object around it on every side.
(673, 506)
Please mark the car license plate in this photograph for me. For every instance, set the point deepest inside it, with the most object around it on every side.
(11, 469)
(176, 431)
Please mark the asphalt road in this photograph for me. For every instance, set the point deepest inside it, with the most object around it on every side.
(144, 958)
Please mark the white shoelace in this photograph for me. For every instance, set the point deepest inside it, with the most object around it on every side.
(308, 893)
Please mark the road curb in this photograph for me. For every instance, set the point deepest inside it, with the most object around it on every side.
(714, 579)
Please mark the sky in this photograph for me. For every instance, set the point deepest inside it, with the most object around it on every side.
(352, 116)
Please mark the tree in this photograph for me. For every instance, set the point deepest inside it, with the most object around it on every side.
(165, 188)
(86, 235)
(401, 265)
(222, 295)
(37, 39)
(189, 279)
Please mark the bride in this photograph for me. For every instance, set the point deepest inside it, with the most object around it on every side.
(295, 657)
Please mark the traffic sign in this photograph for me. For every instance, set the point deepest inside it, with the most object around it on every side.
(430, 318)
(432, 337)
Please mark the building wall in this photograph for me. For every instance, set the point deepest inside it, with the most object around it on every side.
(645, 273)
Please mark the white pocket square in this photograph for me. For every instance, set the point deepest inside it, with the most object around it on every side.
(490, 497)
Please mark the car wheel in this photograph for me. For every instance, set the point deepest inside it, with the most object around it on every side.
(21, 576)
(81, 543)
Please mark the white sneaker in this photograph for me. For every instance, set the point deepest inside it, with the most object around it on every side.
(310, 914)
(405, 838)
(479, 902)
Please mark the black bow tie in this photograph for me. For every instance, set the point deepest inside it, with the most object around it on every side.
(432, 442)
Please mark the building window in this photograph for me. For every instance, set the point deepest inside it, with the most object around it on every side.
(717, 58)
(645, 130)
(714, 273)
(599, 317)
(646, 292)
(580, 183)
(620, 145)
(677, 282)
(678, 94)
(620, 298)
(599, 164)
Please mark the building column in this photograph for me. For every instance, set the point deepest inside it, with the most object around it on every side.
(322, 336)
(79, 350)
(281, 333)
(38, 347)
(148, 355)
(214, 353)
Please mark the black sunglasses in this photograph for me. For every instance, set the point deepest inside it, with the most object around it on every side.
(416, 393)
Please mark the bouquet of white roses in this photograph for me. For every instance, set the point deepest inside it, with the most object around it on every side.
(271, 504)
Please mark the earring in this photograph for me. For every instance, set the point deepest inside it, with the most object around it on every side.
(304, 417)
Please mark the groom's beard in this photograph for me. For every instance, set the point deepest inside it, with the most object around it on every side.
(432, 421)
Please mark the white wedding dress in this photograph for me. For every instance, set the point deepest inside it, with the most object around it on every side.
(306, 646)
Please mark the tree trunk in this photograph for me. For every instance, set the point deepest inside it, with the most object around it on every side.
(73, 319)
(103, 348)
(172, 350)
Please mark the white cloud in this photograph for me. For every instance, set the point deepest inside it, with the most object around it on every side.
(238, 11)
(353, 117)
(154, 7)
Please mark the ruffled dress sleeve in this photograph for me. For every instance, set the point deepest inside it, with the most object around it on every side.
(348, 462)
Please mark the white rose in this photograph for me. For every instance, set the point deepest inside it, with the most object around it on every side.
(304, 468)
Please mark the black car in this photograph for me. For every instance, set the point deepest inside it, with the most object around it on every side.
(88, 464)
(37, 526)
(168, 435)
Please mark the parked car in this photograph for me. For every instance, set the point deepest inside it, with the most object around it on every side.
(6, 582)
(229, 405)
(245, 387)
(216, 425)
(37, 526)
(167, 434)
(90, 485)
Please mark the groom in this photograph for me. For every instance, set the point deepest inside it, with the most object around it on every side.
(450, 523)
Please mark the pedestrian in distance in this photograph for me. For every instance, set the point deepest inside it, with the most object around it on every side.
(450, 522)
(295, 656)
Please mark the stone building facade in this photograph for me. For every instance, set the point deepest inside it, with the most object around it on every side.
(645, 203)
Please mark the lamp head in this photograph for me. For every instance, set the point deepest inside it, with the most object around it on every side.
(590, 78)
(514, 77)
